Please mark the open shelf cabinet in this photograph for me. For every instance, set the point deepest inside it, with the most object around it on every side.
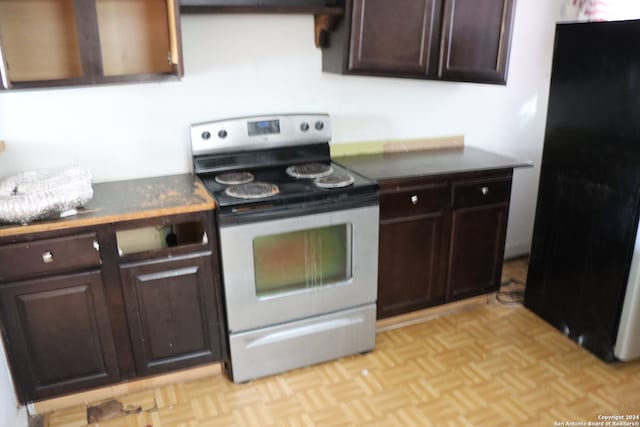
(79, 42)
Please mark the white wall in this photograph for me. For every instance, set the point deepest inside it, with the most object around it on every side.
(10, 414)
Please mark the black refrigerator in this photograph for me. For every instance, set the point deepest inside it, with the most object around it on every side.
(580, 267)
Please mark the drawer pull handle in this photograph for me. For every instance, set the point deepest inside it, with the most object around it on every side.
(96, 246)
(414, 200)
(47, 257)
(484, 191)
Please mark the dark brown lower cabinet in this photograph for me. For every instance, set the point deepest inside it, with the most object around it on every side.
(410, 274)
(413, 245)
(478, 231)
(477, 249)
(441, 239)
(172, 313)
(59, 334)
(91, 306)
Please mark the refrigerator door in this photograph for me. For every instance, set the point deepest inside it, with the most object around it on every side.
(628, 342)
(589, 192)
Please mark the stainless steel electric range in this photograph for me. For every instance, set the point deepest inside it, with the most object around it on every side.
(298, 242)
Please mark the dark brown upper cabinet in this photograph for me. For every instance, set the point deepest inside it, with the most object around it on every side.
(405, 45)
(476, 39)
(458, 40)
(83, 42)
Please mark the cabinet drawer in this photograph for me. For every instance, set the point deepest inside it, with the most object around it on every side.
(417, 201)
(48, 256)
(479, 193)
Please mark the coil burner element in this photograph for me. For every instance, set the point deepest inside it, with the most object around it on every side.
(234, 178)
(310, 170)
(334, 181)
(252, 190)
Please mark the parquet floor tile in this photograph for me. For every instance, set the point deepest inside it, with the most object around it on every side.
(494, 366)
(145, 400)
(71, 417)
(488, 418)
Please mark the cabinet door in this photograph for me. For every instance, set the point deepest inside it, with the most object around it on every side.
(477, 250)
(583, 236)
(394, 37)
(414, 233)
(476, 37)
(172, 313)
(412, 264)
(59, 334)
(138, 37)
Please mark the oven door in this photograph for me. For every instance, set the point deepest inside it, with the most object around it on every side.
(294, 268)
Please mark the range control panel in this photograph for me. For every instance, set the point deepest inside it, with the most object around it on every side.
(259, 132)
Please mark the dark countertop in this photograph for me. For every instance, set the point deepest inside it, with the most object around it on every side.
(428, 163)
(127, 200)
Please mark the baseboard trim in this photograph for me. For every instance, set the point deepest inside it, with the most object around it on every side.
(430, 313)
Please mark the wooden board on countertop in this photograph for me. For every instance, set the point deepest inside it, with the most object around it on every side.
(438, 143)
(127, 200)
(397, 145)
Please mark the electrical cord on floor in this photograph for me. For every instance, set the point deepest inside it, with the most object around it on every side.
(511, 296)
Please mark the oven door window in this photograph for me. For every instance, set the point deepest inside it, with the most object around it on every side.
(300, 260)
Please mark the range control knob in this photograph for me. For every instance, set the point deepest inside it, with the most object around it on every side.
(319, 125)
(304, 126)
(206, 135)
(222, 134)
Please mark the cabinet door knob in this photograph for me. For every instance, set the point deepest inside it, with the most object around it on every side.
(484, 191)
(47, 257)
(414, 200)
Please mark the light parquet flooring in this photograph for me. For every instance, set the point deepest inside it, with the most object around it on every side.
(491, 366)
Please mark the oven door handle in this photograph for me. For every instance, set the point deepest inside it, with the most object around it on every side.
(304, 331)
(229, 217)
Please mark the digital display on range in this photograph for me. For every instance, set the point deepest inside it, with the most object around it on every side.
(263, 127)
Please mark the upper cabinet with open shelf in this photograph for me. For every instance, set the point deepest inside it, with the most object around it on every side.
(81, 42)
(263, 6)
(326, 12)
